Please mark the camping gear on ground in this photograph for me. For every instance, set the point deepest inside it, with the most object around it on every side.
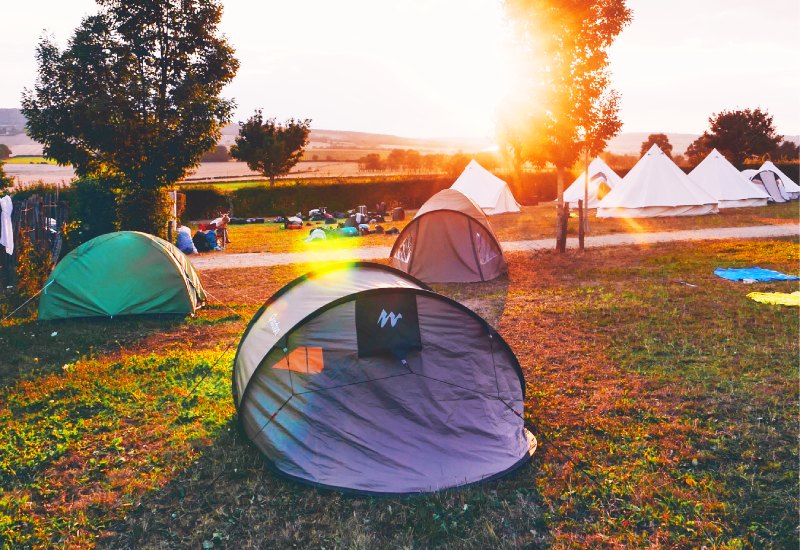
(122, 273)
(776, 298)
(656, 187)
(205, 241)
(330, 221)
(348, 232)
(6, 228)
(392, 231)
(450, 240)
(602, 180)
(351, 221)
(361, 209)
(487, 190)
(753, 274)
(295, 219)
(379, 230)
(318, 217)
(398, 214)
(726, 184)
(359, 378)
(316, 234)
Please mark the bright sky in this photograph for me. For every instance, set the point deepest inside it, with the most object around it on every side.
(426, 68)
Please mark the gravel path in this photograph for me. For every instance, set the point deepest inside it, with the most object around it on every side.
(263, 259)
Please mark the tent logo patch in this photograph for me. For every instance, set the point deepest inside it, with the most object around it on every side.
(387, 323)
(389, 318)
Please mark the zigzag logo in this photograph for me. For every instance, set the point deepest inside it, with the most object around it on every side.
(389, 318)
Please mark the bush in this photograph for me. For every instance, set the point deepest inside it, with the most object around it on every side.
(93, 209)
(146, 210)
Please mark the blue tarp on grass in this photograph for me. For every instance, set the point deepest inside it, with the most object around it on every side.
(753, 274)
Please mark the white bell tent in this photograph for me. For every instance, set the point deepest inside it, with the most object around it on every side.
(725, 183)
(656, 187)
(487, 190)
(602, 180)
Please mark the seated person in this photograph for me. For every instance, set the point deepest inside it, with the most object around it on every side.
(184, 240)
(221, 226)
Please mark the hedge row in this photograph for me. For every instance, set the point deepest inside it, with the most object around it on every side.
(204, 203)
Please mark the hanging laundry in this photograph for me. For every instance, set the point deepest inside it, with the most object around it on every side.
(6, 228)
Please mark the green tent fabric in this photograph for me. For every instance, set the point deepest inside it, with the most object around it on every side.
(123, 273)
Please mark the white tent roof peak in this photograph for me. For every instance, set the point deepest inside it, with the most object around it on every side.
(490, 192)
(599, 173)
(725, 183)
(656, 187)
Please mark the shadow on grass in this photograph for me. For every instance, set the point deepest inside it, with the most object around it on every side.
(34, 348)
(487, 299)
(228, 498)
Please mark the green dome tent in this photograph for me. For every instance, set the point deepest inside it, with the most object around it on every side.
(123, 273)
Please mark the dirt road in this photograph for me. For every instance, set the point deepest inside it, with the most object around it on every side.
(218, 261)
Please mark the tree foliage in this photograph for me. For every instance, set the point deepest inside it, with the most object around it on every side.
(270, 147)
(563, 104)
(5, 152)
(738, 135)
(662, 140)
(5, 181)
(136, 92)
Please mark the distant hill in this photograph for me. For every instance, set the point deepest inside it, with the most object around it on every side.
(624, 144)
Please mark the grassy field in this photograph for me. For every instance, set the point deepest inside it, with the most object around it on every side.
(24, 159)
(664, 400)
(535, 222)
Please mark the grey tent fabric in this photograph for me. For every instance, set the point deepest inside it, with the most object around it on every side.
(359, 378)
(450, 240)
(771, 184)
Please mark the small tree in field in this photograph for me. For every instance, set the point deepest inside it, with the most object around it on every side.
(657, 139)
(270, 147)
(5, 152)
(135, 95)
(738, 135)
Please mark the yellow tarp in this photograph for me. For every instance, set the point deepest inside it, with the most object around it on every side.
(779, 298)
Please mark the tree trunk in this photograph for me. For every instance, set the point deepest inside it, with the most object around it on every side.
(272, 180)
(560, 184)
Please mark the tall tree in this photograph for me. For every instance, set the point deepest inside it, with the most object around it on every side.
(738, 135)
(562, 105)
(662, 140)
(135, 94)
(270, 147)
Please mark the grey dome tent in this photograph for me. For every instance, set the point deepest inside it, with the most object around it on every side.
(449, 240)
(359, 378)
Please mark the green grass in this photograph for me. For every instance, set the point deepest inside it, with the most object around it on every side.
(679, 401)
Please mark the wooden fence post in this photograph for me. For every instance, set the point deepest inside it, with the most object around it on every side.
(581, 227)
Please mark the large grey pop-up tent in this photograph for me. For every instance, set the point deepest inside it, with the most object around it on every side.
(359, 378)
(449, 240)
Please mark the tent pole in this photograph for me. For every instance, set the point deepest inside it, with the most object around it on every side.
(586, 190)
